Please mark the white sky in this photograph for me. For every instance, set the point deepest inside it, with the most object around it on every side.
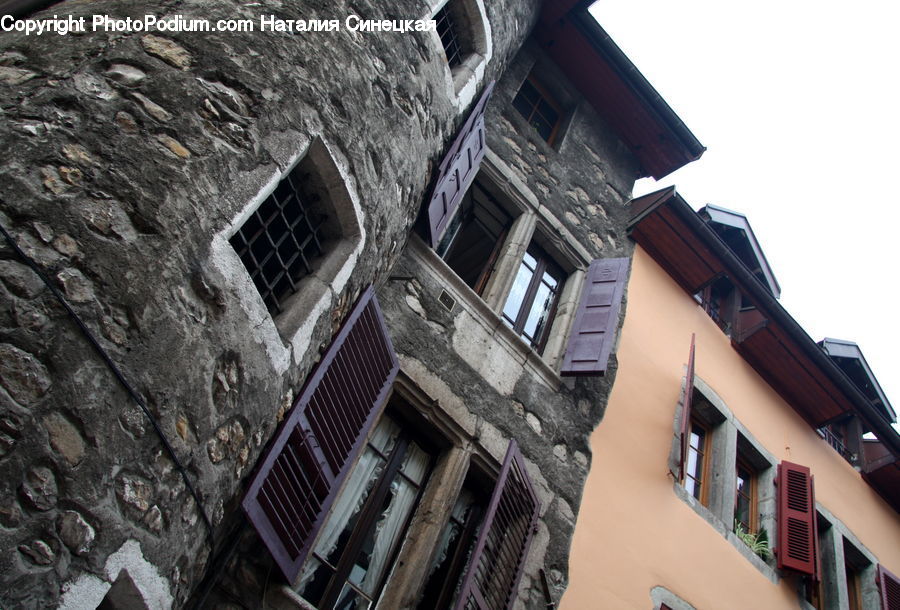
(797, 104)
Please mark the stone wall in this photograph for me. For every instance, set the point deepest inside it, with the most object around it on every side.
(127, 157)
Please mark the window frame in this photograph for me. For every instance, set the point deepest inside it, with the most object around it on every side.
(545, 96)
(705, 462)
(752, 496)
(544, 264)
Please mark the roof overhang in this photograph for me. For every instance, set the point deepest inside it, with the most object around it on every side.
(590, 59)
(681, 242)
(849, 358)
(882, 472)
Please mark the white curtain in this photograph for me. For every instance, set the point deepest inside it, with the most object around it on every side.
(388, 529)
(354, 494)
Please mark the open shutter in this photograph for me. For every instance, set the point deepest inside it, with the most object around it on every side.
(888, 588)
(594, 330)
(319, 439)
(457, 171)
(796, 548)
(687, 402)
(495, 567)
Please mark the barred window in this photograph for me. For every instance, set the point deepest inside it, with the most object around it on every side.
(448, 30)
(282, 240)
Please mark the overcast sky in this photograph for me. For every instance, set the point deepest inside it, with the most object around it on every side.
(797, 104)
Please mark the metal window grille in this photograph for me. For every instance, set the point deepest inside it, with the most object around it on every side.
(449, 33)
(836, 443)
(280, 240)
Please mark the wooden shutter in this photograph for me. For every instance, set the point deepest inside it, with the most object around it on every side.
(492, 576)
(594, 330)
(797, 547)
(687, 402)
(457, 171)
(319, 439)
(888, 588)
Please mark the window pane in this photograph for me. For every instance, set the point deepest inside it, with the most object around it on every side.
(540, 310)
(519, 288)
(694, 464)
(350, 599)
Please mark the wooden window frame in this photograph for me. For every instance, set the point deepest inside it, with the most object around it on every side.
(544, 264)
(546, 96)
(705, 466)
(741, 462)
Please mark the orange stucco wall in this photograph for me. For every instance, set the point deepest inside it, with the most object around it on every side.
(633, 532)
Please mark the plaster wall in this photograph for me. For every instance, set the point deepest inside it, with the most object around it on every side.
(634, 532)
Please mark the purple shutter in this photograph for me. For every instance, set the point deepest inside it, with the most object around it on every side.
(687, 401)
(495, 567)
(319, 439)
(457, 171)
(594, 330)
(796, 547)
(888, 588)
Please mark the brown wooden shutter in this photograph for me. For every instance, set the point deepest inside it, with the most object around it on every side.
(594, 330)
(319, 439)
(687, 402)
(797, 547)
(492, 576)
(888, 588)
(457, 171)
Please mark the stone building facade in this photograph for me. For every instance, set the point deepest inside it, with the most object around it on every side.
(135, 421)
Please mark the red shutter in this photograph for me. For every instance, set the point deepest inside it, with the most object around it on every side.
(687, 401)
(889, 588)
(796, 548)
(594, 330)
(457, 171)
(319, 439)
(492, 576)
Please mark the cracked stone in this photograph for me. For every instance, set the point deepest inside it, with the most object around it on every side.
(76, 286)
(72, 175)
(51, 181)
(125, 74)
(77, 154)
(39, 488)
(173, 145)
(153, 109)
(39, 553)
(65, 438)
(126, 123)
(20, 279)
(134, 493)
(23, 376)
(15, 76)
(153, 519)
(75, 532)
(10, 515)
(167, 50)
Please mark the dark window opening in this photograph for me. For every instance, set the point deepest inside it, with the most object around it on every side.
(532, 301)
(284, 238)
(361, 537)
(722, 302)
(474, 237)
(455, 547)
(745, 512)
(448, 28)
(539, 109)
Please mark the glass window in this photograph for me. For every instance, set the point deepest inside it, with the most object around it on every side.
(474, 237)
(539, 108)
(361, 536)
(745, 499)
(531, 303)
(697, 458)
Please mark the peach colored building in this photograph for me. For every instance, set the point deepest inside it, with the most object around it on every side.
(771, 454)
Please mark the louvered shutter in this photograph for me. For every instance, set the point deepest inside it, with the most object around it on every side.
(495, 567)
(687, 401)
(888, 588)
(594, 330)
(319, 439)
(796, 548)
(457, 171)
